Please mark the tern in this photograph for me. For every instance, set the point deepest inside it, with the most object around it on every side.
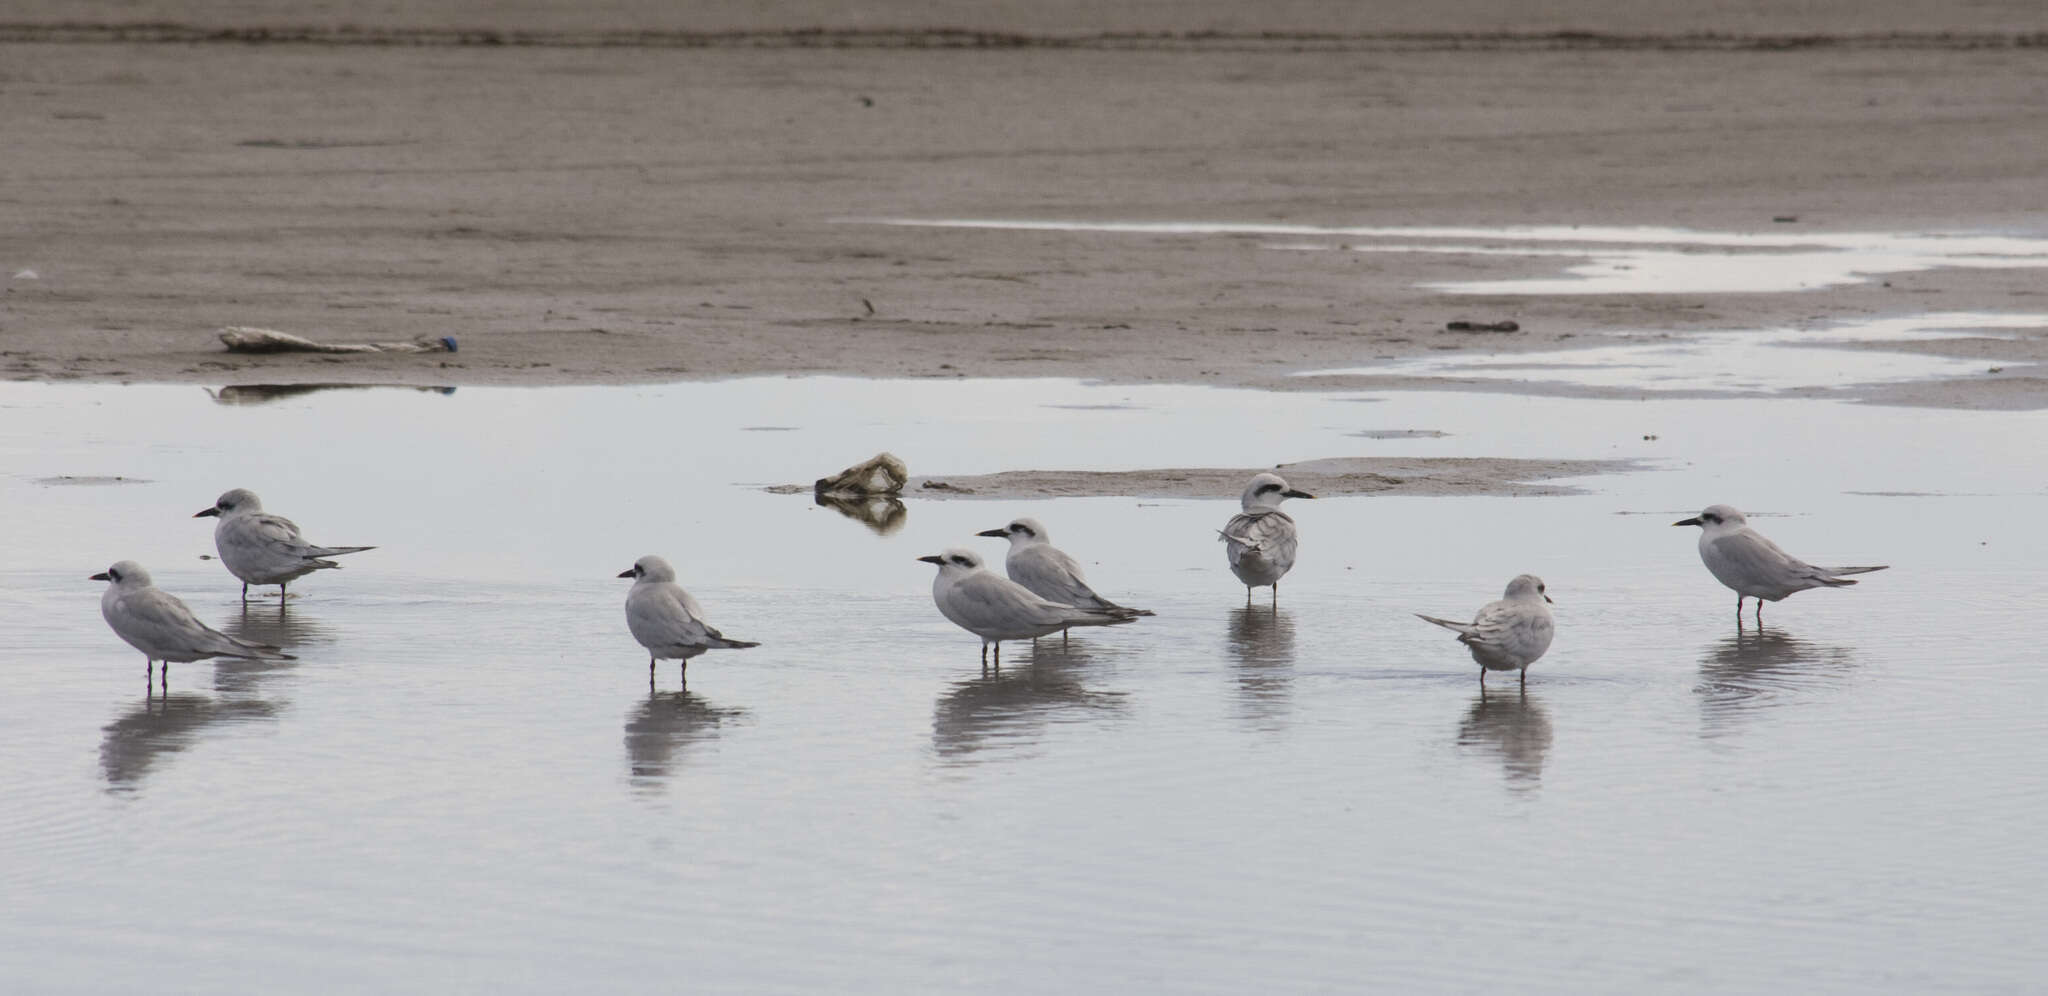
(157, 623)
(1261, 540)
(1048, 571)
(261, 548)
(997, 608)
(1742, 559)
(666, 620)
(1508, 635)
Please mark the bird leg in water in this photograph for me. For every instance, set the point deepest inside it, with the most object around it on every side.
(245, 593)
(683, 672)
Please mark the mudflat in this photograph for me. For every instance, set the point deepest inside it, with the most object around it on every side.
(581, 212)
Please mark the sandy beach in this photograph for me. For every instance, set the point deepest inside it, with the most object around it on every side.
(637, 214)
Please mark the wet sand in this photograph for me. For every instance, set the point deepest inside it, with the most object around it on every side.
(1326, 478)
(643, 214)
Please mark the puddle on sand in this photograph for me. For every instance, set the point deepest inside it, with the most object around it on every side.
(466, 698)
(1730, 362)
(1612, 260)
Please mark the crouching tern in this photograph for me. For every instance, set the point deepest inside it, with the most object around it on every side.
(1508, 635)
(1742, 559)
(155, 622)
(1048, 571)
(997, 609)
(261, 548)
(666, 620)
(1260, 541)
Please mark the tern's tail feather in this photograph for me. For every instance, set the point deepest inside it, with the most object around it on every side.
(1229, 537)
(1105, 605)
(335, 551)
(1460, 628)
(1093, 618)
(725, 644)
(1835, 571)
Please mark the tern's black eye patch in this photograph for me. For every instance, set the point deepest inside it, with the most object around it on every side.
(1710, 517)
(963, 561)
(116, 575)
(1264, 488)
(1022, 529)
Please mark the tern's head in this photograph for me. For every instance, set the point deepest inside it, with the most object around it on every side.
(1527, 586)
(126, 574)
(1715, 517)
(1268, 491)
(954, 561)
(1019, 532)
(238, 500)
(650, 568)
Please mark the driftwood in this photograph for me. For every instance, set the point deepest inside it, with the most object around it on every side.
(245, 339)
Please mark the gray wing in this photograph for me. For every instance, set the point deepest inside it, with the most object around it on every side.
(1269, 534)
(1505, 632)
(262, 546)
(1510, 626)
(282, 534)
(158, 623)
(984, 601)
(1053, 575)
(664, 615)
(1746, 559)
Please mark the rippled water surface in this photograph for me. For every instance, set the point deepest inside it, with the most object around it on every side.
(464, 783)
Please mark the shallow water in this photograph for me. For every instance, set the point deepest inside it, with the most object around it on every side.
(1760, 361)
(465, 783)
(1608, 259)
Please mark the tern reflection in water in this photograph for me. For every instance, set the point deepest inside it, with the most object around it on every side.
(1261, 644)
(1758, 668)
(666, 722)
(1514, 726)
(1013, 707)
(258, 624)
(167, 725)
